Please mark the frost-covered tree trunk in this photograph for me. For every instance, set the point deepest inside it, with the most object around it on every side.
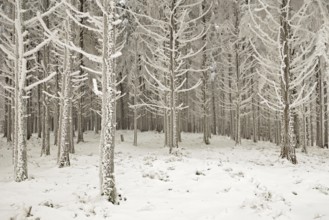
(288, 146)
(82, 88)
(204, 85)
(107, 144)
(135, 78)
(255, 115)
(64, 140)
(39, 111)
(71, 129)
(9, 118)
(311, 131)
(214, 107)
(80, 121)
(304, 125)
(230, 99)
(65, 131)
(56, 117)
(320, 108)
(20, 155)
(45, 149)
(237, 75)
(172, 84)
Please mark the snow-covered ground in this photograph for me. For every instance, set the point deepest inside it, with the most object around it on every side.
(218, 181)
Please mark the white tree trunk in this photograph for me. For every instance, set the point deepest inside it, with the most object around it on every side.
(20, 154)
(107, 144)
(64, 141)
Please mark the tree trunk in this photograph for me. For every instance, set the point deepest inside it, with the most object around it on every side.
(204, 88)
(71, 129)
(288, 146)
(107, 144)
(254, 111)
(64, 140)
(172, 98)
(39, 112)
(214, 110)
(9, 120)
(20, 152)
(56, 119)
(45, 101)
(82, 88)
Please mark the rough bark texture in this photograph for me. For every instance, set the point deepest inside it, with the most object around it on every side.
(45, 102)
(172, 84)
(64, 140)
(82, 88)
(107, 144)
(20, 152)
(288, 146)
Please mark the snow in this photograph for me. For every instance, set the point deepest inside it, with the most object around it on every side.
(217, 181)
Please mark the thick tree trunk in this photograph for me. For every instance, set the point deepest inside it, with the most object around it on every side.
(204, 88)
(45, 149)
(288, 146)
(64, 140)
(20, 152)
(45, 99)
(172, 76)
(107, 144)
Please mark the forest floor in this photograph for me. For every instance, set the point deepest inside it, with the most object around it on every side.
(200, 182)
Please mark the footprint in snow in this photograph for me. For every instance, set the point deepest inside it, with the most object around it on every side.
(322, 189)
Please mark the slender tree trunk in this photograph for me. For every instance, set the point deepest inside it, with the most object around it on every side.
(311, 125)
(320, 108)
(5, 123)
(172, 77)
(254, 112)
(71, 129)
(29, 113)
(9, 120)
(56, 118)
(45, 101)
(39, 111)
(238, 76)
(82, 88)
(214, 110)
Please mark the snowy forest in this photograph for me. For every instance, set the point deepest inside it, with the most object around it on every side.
(108, 102)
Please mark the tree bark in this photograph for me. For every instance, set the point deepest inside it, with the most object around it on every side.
(82, 88)
(20, 152)
(107, 144)
(288, 146)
